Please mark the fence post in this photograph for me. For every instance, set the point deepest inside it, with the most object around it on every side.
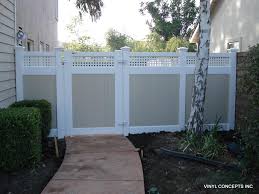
(60, 93)
(182, 93)
(232, 88)
(118, 90)
(19, 61)
(68, 63)
(125, 81)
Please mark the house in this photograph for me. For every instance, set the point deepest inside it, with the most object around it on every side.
(234, 24)
(7, 42)
(22, 23)
(38, 24)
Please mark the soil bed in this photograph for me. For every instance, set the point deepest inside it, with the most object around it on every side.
(173, 175)
(33, 181)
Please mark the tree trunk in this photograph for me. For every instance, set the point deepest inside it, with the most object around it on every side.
(196, 120)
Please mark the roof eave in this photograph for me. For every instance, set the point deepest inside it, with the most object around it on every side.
(195, 36)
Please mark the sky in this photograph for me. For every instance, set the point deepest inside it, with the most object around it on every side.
(121, 15)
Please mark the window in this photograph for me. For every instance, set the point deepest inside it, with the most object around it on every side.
(41, 46)
(47, 47)
(235, 44)
(30, 45)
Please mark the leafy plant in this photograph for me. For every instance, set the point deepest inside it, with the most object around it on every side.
(211, 147)
(116, 40)
(45, 111)
(153, 190)
(205, 144)
(91, 7)
(81, 42)
(249, 127)
(20, 135)
(170, 18)
(174, 43)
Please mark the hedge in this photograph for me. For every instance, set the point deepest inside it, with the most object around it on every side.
(249, 120)
(45, 110)
(20, 138)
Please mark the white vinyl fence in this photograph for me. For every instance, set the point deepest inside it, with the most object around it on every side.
(124, 92)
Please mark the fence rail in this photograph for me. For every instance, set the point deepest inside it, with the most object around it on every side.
(126, 79)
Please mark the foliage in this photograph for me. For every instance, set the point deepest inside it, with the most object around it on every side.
(74, 26)
(174, 43)
(20, 135)
(153, 190)
(116, 40)
(211, 147)
(249, 85)
(206, 144)
(170, 18)
(155, 43)
(82, 45)
(80, 42)
(45, 111)
(92, 7)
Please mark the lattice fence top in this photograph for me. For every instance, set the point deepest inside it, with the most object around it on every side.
(136, 59)
(39, 60)
(219, 61)
(215, 60)
(93, 60)
(153, 60)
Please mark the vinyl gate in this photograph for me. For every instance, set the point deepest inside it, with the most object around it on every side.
(124, 92)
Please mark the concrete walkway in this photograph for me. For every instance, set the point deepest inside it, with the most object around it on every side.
(98, 165)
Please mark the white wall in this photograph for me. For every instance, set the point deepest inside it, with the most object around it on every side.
(38, 19)
(234, 20)
(7, 41)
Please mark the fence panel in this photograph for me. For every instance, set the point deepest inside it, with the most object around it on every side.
(124, 92)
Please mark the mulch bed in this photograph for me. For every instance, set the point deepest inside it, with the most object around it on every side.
(33, 181)
(171, 175)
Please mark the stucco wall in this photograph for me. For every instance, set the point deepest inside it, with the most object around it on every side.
(38, 19)
(234, 20)
(38, 87)
(216, 103)
(154, 100)
(93, 99)
(7, 42)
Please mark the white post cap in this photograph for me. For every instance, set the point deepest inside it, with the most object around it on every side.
(19, 48)
(233, 50)
(125, 48)
(182, 49)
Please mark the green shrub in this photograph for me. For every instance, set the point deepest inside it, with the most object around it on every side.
(249, 127)
(45, 111)
(20, 138)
